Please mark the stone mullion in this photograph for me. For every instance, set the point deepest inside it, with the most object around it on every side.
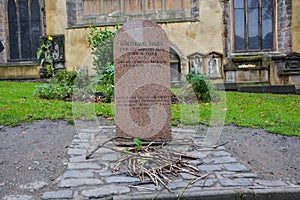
(101, 7)
(164, 6)
(42, 17)
(30, 31)
(274, 21)
(227, 27)
(143, 8)
(260, 25)
(246, 34)
(122, 9)
(19, 29)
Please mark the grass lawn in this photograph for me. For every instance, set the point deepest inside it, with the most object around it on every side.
(17, 104)
(274, 113)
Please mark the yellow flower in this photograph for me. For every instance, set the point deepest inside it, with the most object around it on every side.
(50, 38)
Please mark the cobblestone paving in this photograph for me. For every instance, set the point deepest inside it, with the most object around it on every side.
(93, 178)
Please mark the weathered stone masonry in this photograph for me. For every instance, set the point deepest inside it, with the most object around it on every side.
(76, 17)
(284, 25)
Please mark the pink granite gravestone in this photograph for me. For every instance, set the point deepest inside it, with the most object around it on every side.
(142, 81)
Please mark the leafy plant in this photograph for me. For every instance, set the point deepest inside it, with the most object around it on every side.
(202, 87)
(106, 80)
(84, 85)
(53, 90)
(44, 54)
(64, 76)
(138, 144)
(101, 42)
(60, 87)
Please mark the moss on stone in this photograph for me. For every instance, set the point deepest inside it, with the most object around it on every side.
(247, 58)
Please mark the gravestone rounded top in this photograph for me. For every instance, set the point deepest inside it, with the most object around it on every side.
(138, 34)
(142, 81)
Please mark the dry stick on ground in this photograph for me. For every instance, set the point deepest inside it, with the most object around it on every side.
(141, 187)
(89, 154)
(191, 183)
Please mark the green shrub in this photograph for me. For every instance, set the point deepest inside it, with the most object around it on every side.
(84, 86)
(101, 42)
(107, 80)
(60, 86)
(202, 87)
(53, 90)
(66, 77)
(105, 83)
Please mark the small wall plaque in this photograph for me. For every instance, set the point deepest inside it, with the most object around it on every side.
(214, 65)
(196, 62)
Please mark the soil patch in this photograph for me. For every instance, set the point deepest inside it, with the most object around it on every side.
(33, 156)
(271, 156)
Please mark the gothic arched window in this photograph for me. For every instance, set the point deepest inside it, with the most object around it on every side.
(175, 66)
(24, 24)
(13, 30)
(253, 25)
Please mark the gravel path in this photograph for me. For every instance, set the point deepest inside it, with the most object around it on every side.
(34, 156)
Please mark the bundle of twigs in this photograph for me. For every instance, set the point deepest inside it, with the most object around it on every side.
(157, 163)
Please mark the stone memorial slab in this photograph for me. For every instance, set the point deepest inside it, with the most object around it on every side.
(196, 62)
(142, 81)
(230, 76)
(214, 65)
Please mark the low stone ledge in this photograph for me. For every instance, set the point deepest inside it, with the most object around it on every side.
(105, 191)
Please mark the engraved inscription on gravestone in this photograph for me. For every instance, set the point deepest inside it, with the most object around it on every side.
(142, 81)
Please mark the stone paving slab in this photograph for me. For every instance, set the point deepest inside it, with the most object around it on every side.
(60, 194)
(225, 177)
(18, 197)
